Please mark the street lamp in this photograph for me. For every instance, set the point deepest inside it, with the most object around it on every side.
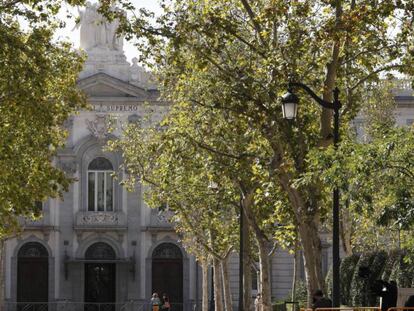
(289, 108)
(290, 105)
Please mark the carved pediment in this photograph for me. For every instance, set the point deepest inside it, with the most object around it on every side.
(103, 85)
(103, 90)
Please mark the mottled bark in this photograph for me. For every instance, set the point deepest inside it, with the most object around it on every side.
(264, 263)
(218, 286)
(295, 271)
(312, 254)
(204, 267)
(264, 250)
(346, 231)
(330, 79)
(247, 275)
(228, 303)
(308, 228)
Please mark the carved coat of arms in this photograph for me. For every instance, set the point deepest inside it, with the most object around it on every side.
(99, 127)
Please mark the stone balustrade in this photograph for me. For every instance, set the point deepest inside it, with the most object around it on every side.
(161, 219)
(96, 220)
(42, 222)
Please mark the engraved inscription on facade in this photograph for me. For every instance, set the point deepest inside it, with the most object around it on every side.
(116, 108)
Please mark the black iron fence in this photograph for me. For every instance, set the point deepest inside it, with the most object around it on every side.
(94, 306)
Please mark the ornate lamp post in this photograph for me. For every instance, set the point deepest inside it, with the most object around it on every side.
(290, 104)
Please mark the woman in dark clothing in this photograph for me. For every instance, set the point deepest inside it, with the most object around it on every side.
(165, 303)
(319, 301)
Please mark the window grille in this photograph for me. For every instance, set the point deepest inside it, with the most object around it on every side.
(167, 251)
(100, 250)
(33, 249)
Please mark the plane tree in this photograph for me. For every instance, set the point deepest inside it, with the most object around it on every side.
(241, 54)
(37, 94)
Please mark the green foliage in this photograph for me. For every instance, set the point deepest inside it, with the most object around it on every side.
(347, 270)
(38, 93)
(376, 269)
(393, 259)
(401, 271)
(301, 293)
(360, 286)
(187, 181)
(378, 108)
(391, 266)
(380, 209)
(226, 63)
(328, 283)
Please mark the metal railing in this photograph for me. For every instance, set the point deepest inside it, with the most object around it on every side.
(350, 309)
(95, 306)
(344, 309)
(147, 306)
(65, 306)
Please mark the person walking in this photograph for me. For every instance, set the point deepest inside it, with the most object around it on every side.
(165, 303)
(155, 302)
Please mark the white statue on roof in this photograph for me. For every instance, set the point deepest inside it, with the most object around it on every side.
(104, 48)
(96, 32)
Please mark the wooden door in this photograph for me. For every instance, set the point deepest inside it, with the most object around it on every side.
(100, 284)
(32, 280)
(167, 277)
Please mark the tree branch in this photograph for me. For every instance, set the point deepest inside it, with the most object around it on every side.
(388, 67)
(9, 5)
(213, 150)
(252, 16)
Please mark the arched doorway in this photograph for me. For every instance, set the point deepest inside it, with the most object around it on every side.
(167, 273)
(33, 273)
(100, 281)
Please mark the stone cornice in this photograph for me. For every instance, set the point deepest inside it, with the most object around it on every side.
(404, 101)
(129, 89)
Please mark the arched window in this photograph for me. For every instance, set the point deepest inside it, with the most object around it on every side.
(100, 185)
(167, 251)
(100, 250)
(32, 250)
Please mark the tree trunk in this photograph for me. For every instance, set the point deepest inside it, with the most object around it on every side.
(228, 303)
(218, 286)
(264, 263)
(312, 254)
(307, 219)
(247, 269)
(264, 251)
(346, 230)
(330, 78)
(295, 271)
(204, 303)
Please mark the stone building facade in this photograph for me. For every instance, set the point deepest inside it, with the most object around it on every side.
(101, 243)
